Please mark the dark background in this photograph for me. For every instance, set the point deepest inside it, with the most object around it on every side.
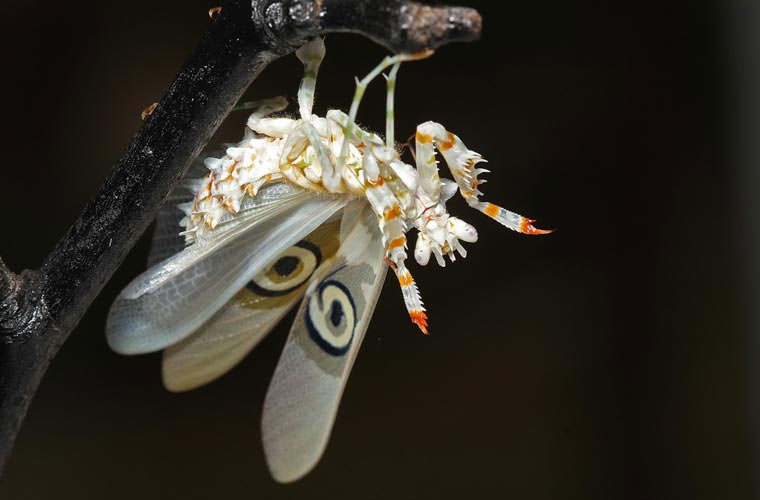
(612, 359)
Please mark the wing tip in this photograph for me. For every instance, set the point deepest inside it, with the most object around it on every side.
(121, 343)
(288, 475)
(131, 337)
(288, 466)
(292, 448)
(177, 384)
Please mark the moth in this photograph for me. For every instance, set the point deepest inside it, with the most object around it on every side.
(313, 208)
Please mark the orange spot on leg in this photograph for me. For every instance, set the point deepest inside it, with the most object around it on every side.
(393, 213)
(492, 210)
(405, 279)
(377, 183)
(446, 145)
(419, 318)
(397, 242)
(422, 138)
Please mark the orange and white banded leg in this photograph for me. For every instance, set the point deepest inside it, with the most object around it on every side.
(412, 298)
(462, 162)
(392, 226)
(395, 248)
(393, 229)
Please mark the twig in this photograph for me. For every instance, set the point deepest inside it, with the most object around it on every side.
(38, 309)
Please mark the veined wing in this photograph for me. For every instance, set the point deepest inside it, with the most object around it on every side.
(248, 317)
(303, 397)
(168, 311)
(166, 239)
(273, 201)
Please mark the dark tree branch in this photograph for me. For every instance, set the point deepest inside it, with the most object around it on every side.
(38, 309)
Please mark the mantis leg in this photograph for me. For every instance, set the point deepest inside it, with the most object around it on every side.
(389, 106)
(311, 55)
(361, 86)
(461, 162)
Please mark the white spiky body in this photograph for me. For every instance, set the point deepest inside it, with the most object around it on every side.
(242, 171)
(331, 155)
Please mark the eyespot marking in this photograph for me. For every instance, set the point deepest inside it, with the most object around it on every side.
(286, 265)
(336, 313)
(288, 272)
(331, 317)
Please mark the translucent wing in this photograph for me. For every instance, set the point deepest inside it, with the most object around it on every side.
(148, 318)
(166, 239)
(303, 398)
(271, 202)
(246, 319)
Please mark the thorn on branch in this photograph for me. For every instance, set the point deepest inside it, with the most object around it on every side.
(148, 111)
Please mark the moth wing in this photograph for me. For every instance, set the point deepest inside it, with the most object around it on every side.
(166, 239)
(303, 397)
(248, 317)
(167, 312)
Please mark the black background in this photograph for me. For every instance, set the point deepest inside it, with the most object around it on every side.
(609, 360)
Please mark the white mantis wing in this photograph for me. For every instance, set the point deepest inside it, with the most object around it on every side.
(166, 239)
(248, 317)
(272, 201)
(162, 307)
(303, 397)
